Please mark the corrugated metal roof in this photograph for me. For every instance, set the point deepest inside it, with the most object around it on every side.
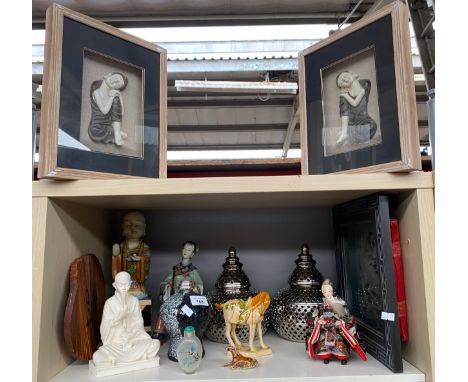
(219, 122)
(229, 50)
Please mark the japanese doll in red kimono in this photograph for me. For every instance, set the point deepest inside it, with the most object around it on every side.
(333, 329)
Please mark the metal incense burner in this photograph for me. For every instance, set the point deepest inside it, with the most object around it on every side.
(232, 283)
(290, 306)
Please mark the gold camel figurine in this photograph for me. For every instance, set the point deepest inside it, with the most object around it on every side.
(246, 312)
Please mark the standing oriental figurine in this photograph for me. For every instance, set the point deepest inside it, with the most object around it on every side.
(183, 271)
(132, 255)
(333, 329)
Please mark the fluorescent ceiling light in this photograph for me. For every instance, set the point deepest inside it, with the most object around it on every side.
(237, 86)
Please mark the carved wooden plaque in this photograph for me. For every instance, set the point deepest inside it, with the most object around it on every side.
(365, 271)
(84, 308)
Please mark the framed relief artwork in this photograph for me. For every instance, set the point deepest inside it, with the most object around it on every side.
(366, 273)
(104, 101)
(357, 98)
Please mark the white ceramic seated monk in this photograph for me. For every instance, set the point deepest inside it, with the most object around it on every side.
(125, 344)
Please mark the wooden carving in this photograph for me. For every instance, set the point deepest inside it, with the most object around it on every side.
(366, 273)
(84, 308)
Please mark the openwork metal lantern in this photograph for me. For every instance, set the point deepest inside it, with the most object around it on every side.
(290, 306)
(232, 283)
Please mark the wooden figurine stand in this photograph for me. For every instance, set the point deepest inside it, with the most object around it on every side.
(145, 306)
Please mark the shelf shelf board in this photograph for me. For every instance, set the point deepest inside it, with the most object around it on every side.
(230, 192)
(289, 361)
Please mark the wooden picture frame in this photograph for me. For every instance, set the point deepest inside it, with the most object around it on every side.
(104, 108)
(371, 57)
(364, 261)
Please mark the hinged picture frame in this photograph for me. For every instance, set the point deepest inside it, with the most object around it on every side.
(357, 98)
(104, 108)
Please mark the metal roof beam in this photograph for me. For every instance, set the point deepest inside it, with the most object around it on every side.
(38, 21)
(202, 66)
(174, 103)
(207, 66)
(252, 146)
(239, 46)
(207, 47)
(293, 119)
(226, 128)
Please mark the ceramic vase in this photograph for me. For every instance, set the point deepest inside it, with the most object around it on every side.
(231, 284)
(183, 309)
(289, 308)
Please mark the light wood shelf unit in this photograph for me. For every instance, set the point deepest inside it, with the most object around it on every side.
(71, 218)
(237, 192)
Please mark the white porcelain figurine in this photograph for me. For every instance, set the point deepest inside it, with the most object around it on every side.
(125, 344)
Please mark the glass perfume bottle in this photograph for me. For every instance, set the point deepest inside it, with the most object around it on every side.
(189, 351)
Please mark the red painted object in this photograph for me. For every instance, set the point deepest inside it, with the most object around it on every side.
(399, 279)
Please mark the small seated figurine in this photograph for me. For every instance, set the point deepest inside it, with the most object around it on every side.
(246, 312)
(183, 271)
(333, 329)
(125, 344)
(132, 255)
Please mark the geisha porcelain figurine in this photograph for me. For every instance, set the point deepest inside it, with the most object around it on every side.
(132, 255)
(125, 344)
(183, 271)
(333, 329)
